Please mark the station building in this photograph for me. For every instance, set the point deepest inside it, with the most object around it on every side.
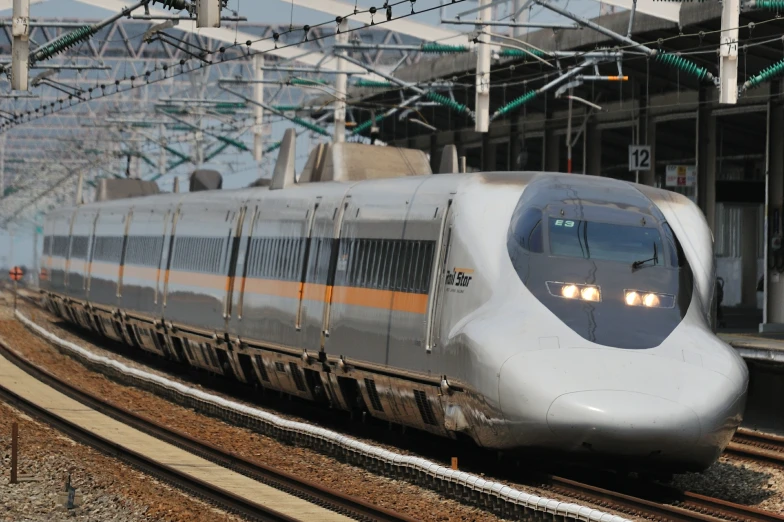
(729, 158)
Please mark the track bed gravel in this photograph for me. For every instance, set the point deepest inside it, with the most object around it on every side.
(109, 490)
(399, 496)
(730, 479)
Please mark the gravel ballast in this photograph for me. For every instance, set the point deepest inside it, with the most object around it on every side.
(108, 490)
(742, 482)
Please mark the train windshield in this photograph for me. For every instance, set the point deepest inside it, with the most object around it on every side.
(594, 240)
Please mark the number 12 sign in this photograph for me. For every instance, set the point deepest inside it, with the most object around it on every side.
(639, 157)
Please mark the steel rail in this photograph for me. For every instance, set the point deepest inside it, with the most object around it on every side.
(686, 506)
(757, 446)
(310, 491)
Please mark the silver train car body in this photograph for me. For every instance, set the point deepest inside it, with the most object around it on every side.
(449, 303)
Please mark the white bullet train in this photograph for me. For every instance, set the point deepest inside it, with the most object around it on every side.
(523, 310)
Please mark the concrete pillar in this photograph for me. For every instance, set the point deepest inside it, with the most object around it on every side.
(593, 153)
(551, 154)
(706, 158)
(435, 153)
(648, 177)
(515, 138)
(773, 314)
(488, 153)
(748, 253)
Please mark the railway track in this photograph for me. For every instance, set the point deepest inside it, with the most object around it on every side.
(647, 501)
(758, 446)
(671, 504)
(312, 492)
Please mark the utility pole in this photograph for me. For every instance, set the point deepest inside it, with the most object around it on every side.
(483, 71)
(208, 13)
(520, 12)
(162, 153)
(36, 282)
(341, 84)
(2, 165)
(258, 109)
(728, 52)
(79, 183)
(20, 47)
(198, 85)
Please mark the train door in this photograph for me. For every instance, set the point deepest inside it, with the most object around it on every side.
(127, 225)
(166, 258)
(316, 287)
(239, 245)
(308, 235)
(437, 282)
(333, 259)
(89, 275)
(160, 263)
(66, 275)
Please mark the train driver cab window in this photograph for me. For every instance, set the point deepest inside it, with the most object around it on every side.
(677, 256)
(528, 231)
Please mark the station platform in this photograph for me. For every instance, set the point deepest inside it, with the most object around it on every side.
(759, 346)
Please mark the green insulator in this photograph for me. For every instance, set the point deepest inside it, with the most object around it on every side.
(303, 81)
(373, 84)
(765, 75)
(309, 125)
(514, 104)
(233, 142)
(229, 105)
(443, 48)
(773, 5)
(365, 125)
(447, 102)
(687, 66)
(64, 42)
(273, 147)
(519, 53)
(287, 107)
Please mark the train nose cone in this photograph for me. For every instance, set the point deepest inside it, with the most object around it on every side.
(621, 421)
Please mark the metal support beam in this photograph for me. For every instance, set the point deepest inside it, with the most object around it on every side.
(596, 27)
(483, 59)
(341, 85)
(258, 109)
(517, 25)
(20, 54)
(728, 52)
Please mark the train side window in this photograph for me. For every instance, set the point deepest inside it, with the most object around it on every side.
(407, 284)
(528, 230)
(385, 261)
(416, 265)
(400, 263)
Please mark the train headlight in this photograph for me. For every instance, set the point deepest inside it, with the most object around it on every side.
(569, 291)
(648, 299)
(590, 293)
(574, 291)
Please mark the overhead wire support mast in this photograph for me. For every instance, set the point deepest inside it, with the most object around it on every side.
(66, 41)
(20, 48)
(670, 59)
(483, 63)
(431, 95)
(530, 95)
